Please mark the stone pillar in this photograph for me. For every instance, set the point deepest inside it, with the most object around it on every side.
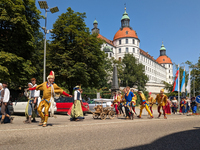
(115, 85)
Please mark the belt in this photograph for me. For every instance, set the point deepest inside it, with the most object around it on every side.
(46, 100)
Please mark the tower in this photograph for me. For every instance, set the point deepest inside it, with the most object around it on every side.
(162, 50)
(125, 21)
(95, 28)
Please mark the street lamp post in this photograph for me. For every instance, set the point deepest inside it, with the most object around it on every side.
(43, 5)
(194, 85)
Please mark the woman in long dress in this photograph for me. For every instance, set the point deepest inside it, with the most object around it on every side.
(77, 112)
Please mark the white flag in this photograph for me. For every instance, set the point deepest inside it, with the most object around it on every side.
(188, 84)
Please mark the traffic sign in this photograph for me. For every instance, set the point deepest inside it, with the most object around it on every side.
(198, 99)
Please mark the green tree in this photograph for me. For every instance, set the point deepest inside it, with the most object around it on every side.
(75, 56)
(195, 77)
(133, 72)
(19, 22)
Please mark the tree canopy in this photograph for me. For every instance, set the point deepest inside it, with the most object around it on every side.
(19, 22)
(132, 72)
(75, 55)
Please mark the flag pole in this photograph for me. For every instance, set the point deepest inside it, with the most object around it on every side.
(178, 89)
(189, 86)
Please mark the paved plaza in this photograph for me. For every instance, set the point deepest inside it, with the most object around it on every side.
(176, 132)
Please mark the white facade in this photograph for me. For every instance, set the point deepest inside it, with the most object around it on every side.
(156, 72)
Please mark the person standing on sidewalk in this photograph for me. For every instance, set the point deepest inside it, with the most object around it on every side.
(5, 97)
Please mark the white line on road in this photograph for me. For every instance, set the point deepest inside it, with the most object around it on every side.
(102, 123)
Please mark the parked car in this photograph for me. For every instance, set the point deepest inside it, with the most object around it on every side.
(19, 105)
(63, 104)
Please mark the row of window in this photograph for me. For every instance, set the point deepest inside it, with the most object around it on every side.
(127, 50)
(127, 42)
(148, 61)
(154, 71)
(165, 65)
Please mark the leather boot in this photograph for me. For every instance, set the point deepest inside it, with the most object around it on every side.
(33, 120)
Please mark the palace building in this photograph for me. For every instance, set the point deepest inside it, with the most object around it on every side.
(126, 41)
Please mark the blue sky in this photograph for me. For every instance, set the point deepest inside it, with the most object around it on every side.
(175, 22)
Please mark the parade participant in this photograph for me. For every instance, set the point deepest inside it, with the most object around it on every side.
(128, 97)
(193, 105)
(182, 106)
(133, 102)
(115, 103)
(150, 102)
(143, 104)
(174, 105)
(188, 101)
(5, 97)
(77, 112)
(123, 102)
(167, 107)
(161, 99)
(48, 88)
(119, 100)
(31, 108)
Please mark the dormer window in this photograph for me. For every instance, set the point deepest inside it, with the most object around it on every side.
(126, 32)
(163, 59)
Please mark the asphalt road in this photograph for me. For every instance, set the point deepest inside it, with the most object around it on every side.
(178, 132)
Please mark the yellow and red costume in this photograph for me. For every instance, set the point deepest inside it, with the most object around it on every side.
(150, 102)
(143, 105)
(161, 99)
(133, 103)
(46, 99)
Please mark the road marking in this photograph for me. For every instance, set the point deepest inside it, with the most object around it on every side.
(91, 124)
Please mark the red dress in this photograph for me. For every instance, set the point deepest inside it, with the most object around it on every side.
(167, 108)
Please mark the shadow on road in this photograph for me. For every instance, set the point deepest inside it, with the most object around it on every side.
(186, 140)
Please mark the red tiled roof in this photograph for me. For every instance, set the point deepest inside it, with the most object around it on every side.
(147, 55)
(125, 32)
(105, 39)
(164, 60)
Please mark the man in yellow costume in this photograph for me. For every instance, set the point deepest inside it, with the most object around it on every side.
(161, 99)
(150, 102)
(48, 88)
(143, 105)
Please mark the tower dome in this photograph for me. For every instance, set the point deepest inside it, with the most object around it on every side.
(125, 30)
(163, 58)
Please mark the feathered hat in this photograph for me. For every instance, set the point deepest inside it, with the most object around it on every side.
(77, 87)
(51, 75)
